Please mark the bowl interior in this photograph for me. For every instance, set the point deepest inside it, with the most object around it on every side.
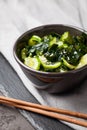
(42, 31)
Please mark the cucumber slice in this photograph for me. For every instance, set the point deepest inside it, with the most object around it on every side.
(66, 37)
(61, 44)
(33, 40)
(82, 62)
(48, 65)
(67, 64)
(32, 62)
(53, 41)
(23, 53)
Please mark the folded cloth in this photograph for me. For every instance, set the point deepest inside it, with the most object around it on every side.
(20, 16)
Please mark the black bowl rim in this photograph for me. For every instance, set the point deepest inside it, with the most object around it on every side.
(42, 72)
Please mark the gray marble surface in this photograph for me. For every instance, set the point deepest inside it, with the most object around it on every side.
(18, 16)
(11, 119)
(12, 86)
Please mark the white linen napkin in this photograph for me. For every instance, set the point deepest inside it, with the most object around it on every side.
(18, 17)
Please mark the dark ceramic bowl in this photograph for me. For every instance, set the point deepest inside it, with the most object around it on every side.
(53, 82)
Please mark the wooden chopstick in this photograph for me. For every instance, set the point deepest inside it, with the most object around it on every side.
(47, 108)
(47, 113)
(41, 111)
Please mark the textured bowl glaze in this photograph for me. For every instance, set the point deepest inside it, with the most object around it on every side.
(52, 82)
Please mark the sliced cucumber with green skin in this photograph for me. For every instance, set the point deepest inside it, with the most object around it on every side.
(53, 41)
(82, 62)
(67, 64)
(61, 44)
(23, 53)
(66, 37)
(32, 62)
(48, 65)
(33, 40)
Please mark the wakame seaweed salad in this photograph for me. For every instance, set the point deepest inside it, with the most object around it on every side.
(55, 52)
